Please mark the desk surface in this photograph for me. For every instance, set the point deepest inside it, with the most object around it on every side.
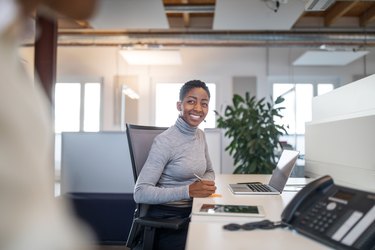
(206, 232)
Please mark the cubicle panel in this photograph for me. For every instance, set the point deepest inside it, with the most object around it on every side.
(340, 139)
(343, 149)
(95, 162)
(351, 100)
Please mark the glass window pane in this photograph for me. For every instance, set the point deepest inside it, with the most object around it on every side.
(304, 95)
(297, 105)
(67, 107)
(166, 97)
(287, 91)
(324, 88)
(91, 119)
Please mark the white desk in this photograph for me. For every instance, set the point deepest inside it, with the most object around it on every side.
(206, 232)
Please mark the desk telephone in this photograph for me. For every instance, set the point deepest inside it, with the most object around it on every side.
(340, 217)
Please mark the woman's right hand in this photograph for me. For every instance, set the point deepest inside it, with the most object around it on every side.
(202, 188)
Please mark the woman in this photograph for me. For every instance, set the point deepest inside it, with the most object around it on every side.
(168, 178)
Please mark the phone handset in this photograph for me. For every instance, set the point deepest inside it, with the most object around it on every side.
(311, 188)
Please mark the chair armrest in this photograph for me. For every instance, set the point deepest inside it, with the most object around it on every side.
(170, 223)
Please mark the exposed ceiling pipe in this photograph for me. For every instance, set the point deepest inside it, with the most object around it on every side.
(264, 39)
(299, 37)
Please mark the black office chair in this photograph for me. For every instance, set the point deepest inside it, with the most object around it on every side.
(142, 232)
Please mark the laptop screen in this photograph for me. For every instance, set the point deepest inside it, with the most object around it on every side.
(283, 169)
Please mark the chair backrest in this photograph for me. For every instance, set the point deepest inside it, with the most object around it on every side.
(140, 139)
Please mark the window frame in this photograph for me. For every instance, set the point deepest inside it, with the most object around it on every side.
(314, 80)
(82, 81)
(297, 138)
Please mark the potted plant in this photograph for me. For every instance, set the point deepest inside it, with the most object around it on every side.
(250, 125)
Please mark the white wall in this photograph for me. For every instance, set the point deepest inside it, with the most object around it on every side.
(217, 64)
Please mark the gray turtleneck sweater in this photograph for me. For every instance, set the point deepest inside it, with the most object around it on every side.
(175, 156)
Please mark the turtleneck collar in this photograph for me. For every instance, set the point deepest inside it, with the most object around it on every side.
(184, 127)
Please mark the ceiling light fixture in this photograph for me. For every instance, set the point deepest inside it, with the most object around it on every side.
(339, 48)
(329, 55)
(328, 58)
(151, 57)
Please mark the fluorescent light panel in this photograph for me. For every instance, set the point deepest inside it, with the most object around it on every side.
(151, 57)
(328, 58)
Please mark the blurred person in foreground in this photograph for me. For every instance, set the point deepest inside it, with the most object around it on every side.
(30, 217)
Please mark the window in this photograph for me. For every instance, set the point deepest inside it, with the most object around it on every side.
(166, 111)
(298, 108)
(91, 117)
(67, 107)
(297, 105)
(77, 108)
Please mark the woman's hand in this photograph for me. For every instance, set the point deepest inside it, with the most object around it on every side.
(202, 188)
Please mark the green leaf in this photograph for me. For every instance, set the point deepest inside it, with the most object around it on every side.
(279, 100)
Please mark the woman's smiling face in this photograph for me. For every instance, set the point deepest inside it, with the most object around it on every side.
(194, 107)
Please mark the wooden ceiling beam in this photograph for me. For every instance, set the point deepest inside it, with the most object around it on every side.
(185, 15)
(338, 10)
(367, 16)
(186, 18)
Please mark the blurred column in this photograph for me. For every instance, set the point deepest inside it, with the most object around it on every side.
(45, 53)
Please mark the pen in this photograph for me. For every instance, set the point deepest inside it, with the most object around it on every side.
(212, 195)
(200, 178)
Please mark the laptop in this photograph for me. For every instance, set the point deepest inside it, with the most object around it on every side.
(278, 180)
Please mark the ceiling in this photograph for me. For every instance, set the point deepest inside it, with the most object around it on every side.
(223, 23)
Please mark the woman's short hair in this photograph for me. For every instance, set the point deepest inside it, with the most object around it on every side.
(191, 85)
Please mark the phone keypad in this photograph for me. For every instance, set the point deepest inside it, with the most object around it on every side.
(321, 216)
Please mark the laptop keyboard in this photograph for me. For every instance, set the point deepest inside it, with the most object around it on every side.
(260, 187)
